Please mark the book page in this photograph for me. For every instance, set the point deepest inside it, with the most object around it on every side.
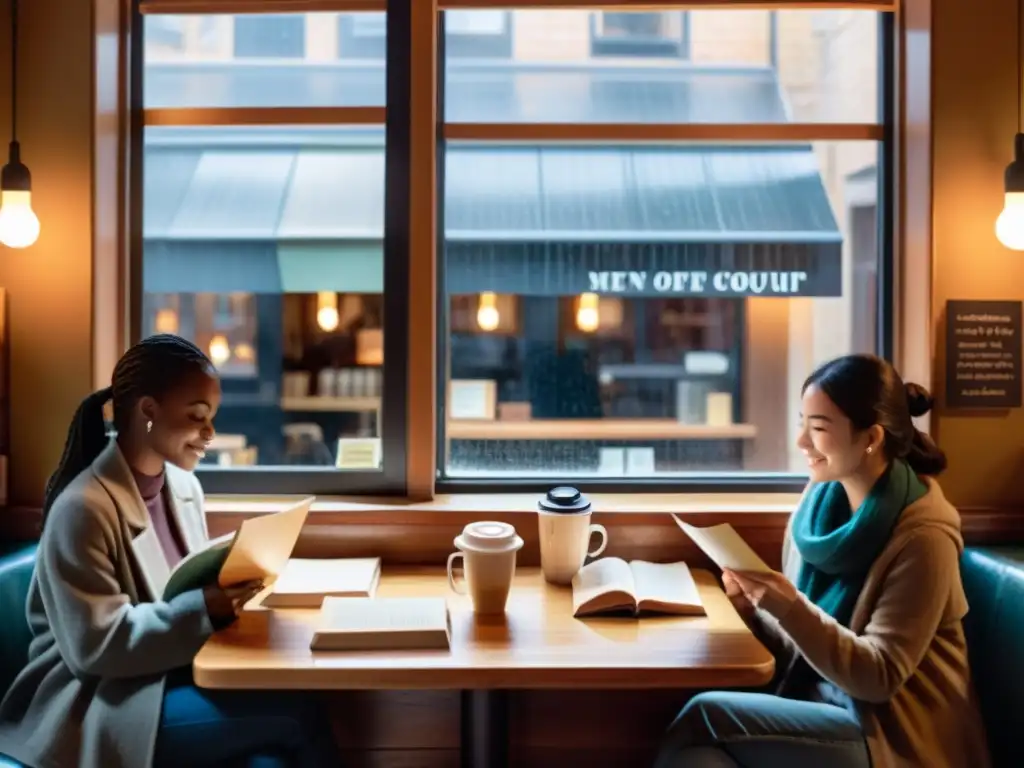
(666, 587)
(724, 546)
(263, 545)
(606, 576)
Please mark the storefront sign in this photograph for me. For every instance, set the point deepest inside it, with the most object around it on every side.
(744, 283)
(722, 270)
(983, 354)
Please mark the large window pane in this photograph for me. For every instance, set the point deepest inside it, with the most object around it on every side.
(253, 60)
(702, 66)
(648, 310)
(264, 246)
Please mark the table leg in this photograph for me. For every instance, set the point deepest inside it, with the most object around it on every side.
(484, 729)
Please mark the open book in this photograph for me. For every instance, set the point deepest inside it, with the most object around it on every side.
(724, 547)
(611, 585)
(383, 624)
(259, 549)
(306, 583)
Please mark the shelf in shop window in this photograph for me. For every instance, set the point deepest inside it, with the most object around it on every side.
(595, 429)
(330, 404)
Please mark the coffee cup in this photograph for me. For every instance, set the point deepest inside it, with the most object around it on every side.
(488, 554)
(563, 520)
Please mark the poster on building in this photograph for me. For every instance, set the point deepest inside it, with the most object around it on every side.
(983, 354)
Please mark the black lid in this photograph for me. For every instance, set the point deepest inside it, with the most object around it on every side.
(564, 498)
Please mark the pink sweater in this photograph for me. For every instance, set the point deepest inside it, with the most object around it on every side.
(151, 488)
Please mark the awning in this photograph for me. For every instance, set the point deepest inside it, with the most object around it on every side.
(526, 219)
(342, 267)
(482, 91)
(198, 266)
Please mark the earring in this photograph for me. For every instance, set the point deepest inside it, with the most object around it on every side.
(149, 428)
(870, 448)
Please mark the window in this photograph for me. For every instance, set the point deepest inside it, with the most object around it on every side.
(633, 309)
(270, 37)
(265, 245)
(640, 33)
(651, 225)
(470, 34)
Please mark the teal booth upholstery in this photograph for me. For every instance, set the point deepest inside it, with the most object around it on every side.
(993, 578)
(16, 563)
(994, 581)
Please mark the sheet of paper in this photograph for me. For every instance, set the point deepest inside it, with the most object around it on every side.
(724, 546)
(264, 544)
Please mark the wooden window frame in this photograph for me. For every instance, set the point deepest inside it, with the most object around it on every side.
(421, 396)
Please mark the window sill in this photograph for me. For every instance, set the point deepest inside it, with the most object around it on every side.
(605, 505)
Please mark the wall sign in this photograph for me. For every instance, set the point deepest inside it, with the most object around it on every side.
(983, 354)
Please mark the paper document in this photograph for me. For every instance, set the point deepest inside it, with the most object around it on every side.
(724, 546)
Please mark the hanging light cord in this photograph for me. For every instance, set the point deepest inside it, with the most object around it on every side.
(14, 70)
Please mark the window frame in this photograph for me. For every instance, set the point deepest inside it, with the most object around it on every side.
(391, 479)
(749, 482)
(415, 420)
(493, 46)
(604, 46)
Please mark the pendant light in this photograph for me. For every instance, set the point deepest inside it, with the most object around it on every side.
(487, 316)
(1010, 224)
(19, 225)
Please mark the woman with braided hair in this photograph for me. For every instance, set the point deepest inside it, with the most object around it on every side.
(108, 681)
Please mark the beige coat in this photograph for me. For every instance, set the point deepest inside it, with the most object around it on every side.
(92, 692)
(903, 660)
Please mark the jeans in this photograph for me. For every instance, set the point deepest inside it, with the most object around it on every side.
(725, 729)
(241, 729)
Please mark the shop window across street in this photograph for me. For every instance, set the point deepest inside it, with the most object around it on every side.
(651, 226)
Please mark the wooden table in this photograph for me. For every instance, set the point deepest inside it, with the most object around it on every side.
(537, 644)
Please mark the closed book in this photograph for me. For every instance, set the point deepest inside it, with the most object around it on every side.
(306, 583)
(383, 624)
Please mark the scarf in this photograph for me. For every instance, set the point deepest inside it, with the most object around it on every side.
(838, 545)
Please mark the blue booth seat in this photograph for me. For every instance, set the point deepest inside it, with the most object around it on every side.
(994, 581)
(15, 574)
(993, 578)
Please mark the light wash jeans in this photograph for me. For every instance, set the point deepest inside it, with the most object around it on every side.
(241, 729)
(728, 729)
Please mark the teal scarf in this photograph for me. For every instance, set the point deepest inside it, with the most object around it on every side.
(838, 545)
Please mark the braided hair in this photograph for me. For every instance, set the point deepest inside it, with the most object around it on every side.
(153, 367)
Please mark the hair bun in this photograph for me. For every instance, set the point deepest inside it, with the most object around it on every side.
(919, 401)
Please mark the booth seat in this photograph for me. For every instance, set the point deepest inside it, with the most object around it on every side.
(16, 563)
(993, 578)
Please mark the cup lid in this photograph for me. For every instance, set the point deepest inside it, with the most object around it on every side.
(564, 498)
(488, 536)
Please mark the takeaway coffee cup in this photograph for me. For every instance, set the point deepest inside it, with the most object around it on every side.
(563, 520)
(488, 553)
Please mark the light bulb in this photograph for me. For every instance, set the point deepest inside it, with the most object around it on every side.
(587, 318)
(19, 225)
(166, 321)
(245, 352)
(220, 351)
(487, 316)
(1010, 224)
(327, 316)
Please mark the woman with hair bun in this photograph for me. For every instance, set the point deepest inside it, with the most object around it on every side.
(865, 621)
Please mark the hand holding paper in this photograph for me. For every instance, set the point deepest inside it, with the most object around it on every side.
(725, 547)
